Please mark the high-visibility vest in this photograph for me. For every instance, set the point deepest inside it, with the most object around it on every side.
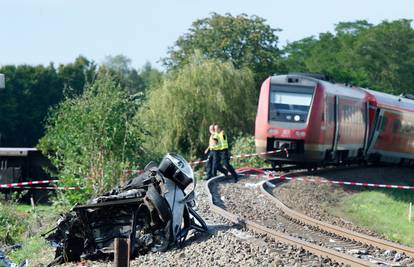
(223, 143)
(212, 144)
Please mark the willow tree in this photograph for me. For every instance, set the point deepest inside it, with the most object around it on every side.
(204, 91)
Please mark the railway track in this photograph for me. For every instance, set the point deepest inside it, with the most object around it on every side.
(285, 225)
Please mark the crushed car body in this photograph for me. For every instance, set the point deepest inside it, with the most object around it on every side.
(152, 210)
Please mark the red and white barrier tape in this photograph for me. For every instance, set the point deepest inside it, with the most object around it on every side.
(21, 184)
(272, 176)
(232, 157)
(51, 187)
(244, 156)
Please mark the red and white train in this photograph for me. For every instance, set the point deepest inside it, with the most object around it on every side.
(320, 122)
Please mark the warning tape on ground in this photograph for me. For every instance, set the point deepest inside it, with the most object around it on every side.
(51, 187)
(270, 175)
(21, 184)
(232, 157)
(242, 156)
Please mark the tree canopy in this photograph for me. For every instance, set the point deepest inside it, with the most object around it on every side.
(243, 40)
(32, 90)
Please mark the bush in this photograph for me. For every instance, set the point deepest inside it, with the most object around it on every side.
(92, 139)
(12, 224)
(245, 145)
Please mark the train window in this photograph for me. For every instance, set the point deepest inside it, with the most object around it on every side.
(383, 123)
(289, 103)
(407, 127)
(396, 126)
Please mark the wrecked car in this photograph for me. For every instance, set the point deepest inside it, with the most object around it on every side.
(152, 210)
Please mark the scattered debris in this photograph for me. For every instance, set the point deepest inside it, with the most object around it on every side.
(241, 234)
(152, 211)
(253, 185)
(358, 251)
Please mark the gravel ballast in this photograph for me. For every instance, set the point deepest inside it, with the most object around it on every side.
(319, 200)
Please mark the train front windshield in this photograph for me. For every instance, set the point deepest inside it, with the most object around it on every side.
(290, 103)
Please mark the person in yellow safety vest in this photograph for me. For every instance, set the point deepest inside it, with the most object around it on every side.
(223, 153)
(211, 151)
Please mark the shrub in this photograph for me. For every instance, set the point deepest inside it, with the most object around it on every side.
(12, 224)
(244, 144)
(92, 139)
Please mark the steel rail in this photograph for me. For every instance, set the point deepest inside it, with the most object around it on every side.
(376, 242)
(279, 236)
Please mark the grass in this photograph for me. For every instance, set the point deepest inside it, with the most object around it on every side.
(25, 226)
(12, 224)
(383, 211)
(35, 249)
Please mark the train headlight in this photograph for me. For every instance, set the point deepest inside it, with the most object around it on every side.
(296, 118)
(272, 131)
(300, 133)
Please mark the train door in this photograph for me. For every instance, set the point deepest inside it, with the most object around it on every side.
(379, 122)
(366, 135)
(330, 127)
(336, 124)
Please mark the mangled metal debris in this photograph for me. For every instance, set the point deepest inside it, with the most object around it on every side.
(152, 210)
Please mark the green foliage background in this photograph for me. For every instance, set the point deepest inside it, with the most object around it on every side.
(244, 144)
(205, 91)
(92, 139)
(12, 226)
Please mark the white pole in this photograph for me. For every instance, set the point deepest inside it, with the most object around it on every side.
(32, 202)
(409, 213)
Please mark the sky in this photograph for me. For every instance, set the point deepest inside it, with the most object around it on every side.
(43, 31)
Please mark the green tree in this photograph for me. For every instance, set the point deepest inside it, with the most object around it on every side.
(92, 139)
(386, 53)
(243, 40)
(135, 81)
(296, 53)
(76, 75)
(30, 92)
(205, 91)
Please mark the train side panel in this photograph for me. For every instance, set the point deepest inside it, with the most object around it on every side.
(314, 142)
(261, 125)
(352, 120)
(339, 129)
(394, 137)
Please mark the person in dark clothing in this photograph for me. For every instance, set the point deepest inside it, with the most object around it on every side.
(212, 156)
(223, 152)
(210, 152)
